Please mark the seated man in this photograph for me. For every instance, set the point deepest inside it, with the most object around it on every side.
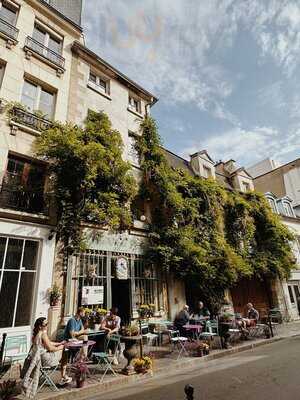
(201, 314)
(181, 319)
(74, 328)
(112, 324)
(251, 320)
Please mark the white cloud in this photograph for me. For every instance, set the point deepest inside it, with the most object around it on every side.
(248, 145)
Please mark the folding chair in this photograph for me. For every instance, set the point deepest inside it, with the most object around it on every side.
(212, 331)
(15, 349)
(151, 338)
(179, 342)
(104, 358)
(46, 374)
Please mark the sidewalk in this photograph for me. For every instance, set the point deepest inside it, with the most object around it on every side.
(166, 362)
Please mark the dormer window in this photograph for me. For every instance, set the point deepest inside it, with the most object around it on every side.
(207, 173)
(272, 204)
(287, 209)
(245, 186)
(134, 104)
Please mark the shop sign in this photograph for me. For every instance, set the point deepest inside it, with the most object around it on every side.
(122, 268)
(92, 295)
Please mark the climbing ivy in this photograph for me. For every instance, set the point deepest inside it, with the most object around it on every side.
(91, 181)
(205, 233)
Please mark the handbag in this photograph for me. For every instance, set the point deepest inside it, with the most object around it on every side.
(26, 364)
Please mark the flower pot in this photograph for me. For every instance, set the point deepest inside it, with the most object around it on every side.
(79, 383)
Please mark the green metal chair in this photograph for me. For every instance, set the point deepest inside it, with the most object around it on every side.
(105, 359)
(15, 349)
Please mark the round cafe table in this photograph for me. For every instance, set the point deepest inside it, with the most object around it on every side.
(195, 329)
(75, 347)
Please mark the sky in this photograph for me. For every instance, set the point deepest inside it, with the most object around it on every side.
(226, 72)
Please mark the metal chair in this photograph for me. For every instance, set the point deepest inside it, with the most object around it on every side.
(15, 349)
(212, 331)
(179, 342)
(151, 338)
(46, 374)
(105, 359)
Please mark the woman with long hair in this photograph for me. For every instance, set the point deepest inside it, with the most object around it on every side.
(51, 352)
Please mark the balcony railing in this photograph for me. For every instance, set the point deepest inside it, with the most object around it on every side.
(44, 52)
(8, 29)
(19, 199)
(31, 120)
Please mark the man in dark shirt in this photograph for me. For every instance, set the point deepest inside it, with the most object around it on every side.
(181, 319)
(252, 314)
(201, 313)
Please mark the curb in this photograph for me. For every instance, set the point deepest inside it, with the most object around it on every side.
(97, 388)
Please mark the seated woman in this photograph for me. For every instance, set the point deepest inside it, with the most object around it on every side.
(51, 352)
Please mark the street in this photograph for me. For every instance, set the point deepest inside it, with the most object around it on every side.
(267, 372)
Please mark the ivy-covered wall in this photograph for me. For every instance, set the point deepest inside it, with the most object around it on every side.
(205, 233)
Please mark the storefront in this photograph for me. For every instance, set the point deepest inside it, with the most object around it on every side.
(26, 266)
(121, 279)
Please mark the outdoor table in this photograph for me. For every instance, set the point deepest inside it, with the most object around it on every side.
(99, 337)
(196, 330)
(75, 347)
(130, 352)
(162, 327)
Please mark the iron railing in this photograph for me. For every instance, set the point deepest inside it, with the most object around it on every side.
(8, 29)
(27, 118)
(19, 199)
(44, 51)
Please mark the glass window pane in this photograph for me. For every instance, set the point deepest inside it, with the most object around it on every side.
(14, 254)
(39, 35)
(8, 14)
(291, 294)
(25, 299)
(93, 78)
(2, 249)
(8, 297)
(30, 255)
(55, 45)
(46, 103)
(29, 95)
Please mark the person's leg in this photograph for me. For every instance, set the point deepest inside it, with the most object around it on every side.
(63, 363)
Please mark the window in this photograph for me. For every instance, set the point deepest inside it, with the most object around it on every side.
(18, 265)
(21, 172)
(287, 209)
(245, 186)
(133, 154)
(8, 12)
(34, 97)
(47, 39)
(134, 104)
(272, 204)
(145, 284)
(206, 172)
(290, 289)
(99, 83)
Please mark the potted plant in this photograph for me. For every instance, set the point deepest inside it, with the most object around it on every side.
(142, 365)
(9, 390)
(55, 295)
(130, 330)
(80, 371)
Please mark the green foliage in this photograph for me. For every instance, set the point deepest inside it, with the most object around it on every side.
(205, 233)
(91, 180)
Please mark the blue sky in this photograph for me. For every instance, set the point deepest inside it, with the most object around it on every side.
(227, 72)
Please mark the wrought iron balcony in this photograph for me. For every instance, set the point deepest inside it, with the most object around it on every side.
(8, 29)
(27, 118)
(44, 52)
(20, 199)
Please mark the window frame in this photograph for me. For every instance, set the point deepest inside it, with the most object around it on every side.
(207, 171)
(245, 186)
(39, 88)
(132, 107)
(97, 83)
(48, 34)
(21, 270)
(12, 7)
(287, 209)
(273, 204)
(135, 160)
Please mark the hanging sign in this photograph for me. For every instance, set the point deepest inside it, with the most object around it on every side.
(92, 295)
(122, 268)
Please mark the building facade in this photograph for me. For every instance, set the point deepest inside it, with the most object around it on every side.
(35, 69)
